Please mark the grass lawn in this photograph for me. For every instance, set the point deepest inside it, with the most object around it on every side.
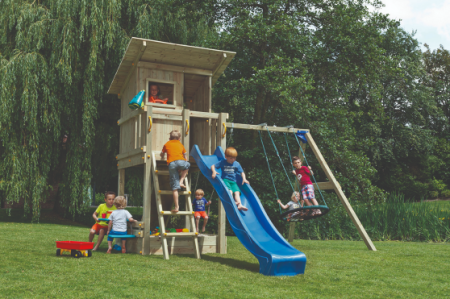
(343, 269)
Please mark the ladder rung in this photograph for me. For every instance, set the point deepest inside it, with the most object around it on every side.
(170, 192)
(169, 213)
(162, 172)
(190, 234)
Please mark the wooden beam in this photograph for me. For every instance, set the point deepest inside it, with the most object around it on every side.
(167, 116)
(223, 58)
(131, 153)
(131, 161)
(147, 198)
(186, 129)
(200, 114)
(121, 182)
(222, 142)
(134, 66)
(263, 128)
(325, 185)
(132, 115)
(341, 195)
(173, 68)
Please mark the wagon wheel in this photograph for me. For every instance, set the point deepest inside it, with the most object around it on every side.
(72, 252)
(58, 252)
(77, 254)
(89, 253)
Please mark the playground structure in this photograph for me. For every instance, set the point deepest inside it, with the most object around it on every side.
(185, 75)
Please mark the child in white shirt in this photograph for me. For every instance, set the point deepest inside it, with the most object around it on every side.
(118, 222)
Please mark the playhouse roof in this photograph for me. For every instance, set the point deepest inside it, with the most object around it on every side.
(147, 50)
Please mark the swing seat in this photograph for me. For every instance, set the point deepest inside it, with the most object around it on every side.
(305, 213)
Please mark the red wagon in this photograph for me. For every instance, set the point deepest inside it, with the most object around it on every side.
(76, 249)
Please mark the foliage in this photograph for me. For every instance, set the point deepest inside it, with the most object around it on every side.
(134, 187)
(57, 59)
(377, 106)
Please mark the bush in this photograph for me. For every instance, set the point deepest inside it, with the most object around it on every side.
(434, 194)
(445, 193)
(99, 198)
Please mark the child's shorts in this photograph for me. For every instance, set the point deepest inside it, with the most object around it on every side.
(113, 232)
(200, 214)
(308, 192)
(174, 176)
(233, 186)
(97, 227)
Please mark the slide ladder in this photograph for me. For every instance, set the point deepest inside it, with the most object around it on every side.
(161, 213)
(253, 228)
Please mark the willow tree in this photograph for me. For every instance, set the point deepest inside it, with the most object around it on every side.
(57, 59)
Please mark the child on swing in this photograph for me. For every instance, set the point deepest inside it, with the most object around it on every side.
(154, 95)
(292, 205)
(303, 174)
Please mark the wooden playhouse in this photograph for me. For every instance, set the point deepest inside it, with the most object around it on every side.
(185, 75)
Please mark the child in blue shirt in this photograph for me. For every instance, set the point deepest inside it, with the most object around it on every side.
(229, 168)
(199, 208)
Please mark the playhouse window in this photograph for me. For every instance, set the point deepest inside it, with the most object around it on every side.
(165, 98)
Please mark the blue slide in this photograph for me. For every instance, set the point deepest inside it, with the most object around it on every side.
(253, 228)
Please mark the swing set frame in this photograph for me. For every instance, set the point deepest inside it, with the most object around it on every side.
(332, 183)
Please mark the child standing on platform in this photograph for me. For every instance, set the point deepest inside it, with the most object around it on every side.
(292, 205)
(177, 161)
(118, 222)
(103, 211)
(303, 174)
(199, 208)
(230, 167)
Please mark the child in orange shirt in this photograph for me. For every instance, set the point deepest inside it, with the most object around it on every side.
(176, 159)
(154, 95)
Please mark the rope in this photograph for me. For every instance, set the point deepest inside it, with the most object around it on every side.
(210, 200)
(290, 159)
(281, 161)
(198, 174)
(268, 164)
(304, 156)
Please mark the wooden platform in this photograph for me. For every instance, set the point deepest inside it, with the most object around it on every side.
(176, 245)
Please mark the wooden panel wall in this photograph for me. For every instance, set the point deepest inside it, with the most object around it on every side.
(200, 127)
(127, 130)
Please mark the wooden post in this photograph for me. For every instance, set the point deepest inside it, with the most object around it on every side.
(186, 128)
(291, 231)
(341, 195)
(187, 218)
(222, 141)
(121, 180)
(147, 200)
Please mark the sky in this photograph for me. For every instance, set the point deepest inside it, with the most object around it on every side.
(430, 18)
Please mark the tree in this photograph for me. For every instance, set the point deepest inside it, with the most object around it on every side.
(57, 61)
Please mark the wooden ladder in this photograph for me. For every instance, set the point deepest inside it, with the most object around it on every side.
(161, 213)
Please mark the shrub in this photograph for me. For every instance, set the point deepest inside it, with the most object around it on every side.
(434, 194)
(99, 198)
(445, 193)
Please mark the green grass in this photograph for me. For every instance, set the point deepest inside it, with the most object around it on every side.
(342, 269)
